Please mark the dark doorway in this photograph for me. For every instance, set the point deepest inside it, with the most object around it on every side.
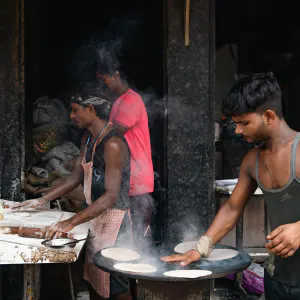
(57, 35)
(266, 34)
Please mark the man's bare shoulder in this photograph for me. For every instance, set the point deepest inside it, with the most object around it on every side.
(114, 147)
(251, 156)
(249, 161)
(297, 163)
(114, 144)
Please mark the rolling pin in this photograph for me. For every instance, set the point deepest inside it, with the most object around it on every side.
(9, 230)
(36, 233)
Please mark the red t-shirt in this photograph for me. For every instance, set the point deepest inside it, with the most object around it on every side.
(129, 111)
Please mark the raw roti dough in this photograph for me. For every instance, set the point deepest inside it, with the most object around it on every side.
(22, 214)
(216, 254)
(187, 273)
(135, 268)
(220, 254)
(185, 247)
(121, 254)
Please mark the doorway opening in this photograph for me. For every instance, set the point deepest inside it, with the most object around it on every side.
(57, 34)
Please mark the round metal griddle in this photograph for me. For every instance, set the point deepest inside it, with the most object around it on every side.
(220, 268)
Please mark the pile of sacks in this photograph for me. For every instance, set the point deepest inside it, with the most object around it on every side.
(54, 151)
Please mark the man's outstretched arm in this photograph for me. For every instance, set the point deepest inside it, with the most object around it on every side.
(227, 216)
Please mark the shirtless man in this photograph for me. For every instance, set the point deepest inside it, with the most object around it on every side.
(254, 104)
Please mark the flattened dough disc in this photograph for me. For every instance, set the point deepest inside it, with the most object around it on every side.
(216, 254)
(185, 246)
(121, 254)
(220, 254)
(135, 268)
(187, 273)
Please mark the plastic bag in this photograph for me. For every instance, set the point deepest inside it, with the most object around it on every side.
(57, 157)
(40, 172)
(48, 136)
(253, 279)
(49, 111)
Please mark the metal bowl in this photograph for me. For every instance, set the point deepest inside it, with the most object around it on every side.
(60, 243)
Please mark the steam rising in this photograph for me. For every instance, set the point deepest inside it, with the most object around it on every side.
(106, 51)
(187, 228)
(106, 47)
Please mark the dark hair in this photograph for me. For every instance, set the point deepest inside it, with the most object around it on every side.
(253, 93)
(107, 62)
(93, 91)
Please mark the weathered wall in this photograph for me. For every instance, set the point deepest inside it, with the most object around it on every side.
(11, 99)
(11, 124)
(190, 147)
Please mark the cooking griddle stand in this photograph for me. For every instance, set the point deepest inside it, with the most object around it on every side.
(167, 290)
(156, 286)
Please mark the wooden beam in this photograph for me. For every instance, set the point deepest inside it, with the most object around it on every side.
(187, 23)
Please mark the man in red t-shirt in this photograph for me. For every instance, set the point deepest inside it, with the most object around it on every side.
(129, 116)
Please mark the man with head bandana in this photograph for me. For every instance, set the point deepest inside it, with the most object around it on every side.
(103, 168)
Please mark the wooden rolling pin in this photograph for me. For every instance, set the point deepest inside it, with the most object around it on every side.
(36, 233)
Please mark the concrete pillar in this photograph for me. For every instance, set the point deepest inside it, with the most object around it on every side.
(190, 204)
(12, 123)
(11, 98)
(190, 141)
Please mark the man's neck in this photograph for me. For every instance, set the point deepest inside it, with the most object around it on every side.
(282, 135)
(96, 127)
(123, 88)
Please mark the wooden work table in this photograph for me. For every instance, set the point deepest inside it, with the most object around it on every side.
(29, 251)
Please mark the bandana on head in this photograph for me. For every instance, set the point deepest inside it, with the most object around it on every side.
(91, 100)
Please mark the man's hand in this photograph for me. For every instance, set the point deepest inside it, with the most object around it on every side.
(184, 259)
(284, 240)
(29, 205)
(54, 231)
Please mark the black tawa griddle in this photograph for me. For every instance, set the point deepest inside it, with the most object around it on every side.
(219, 268)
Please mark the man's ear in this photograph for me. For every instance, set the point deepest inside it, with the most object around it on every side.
(269, 116)
(91, 109)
